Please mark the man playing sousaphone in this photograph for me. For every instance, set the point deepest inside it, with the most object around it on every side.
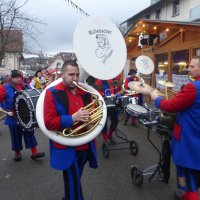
(186, 133)
(63, 105)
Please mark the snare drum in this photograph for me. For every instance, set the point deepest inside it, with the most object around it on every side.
(110, 101)
(136, 110)
(25, 105)
(124, 101)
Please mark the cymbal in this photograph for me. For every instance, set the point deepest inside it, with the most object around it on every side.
(159, 93)
(166, 83)
(140, 87)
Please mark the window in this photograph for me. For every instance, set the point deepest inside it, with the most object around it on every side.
(180, 62)
(158, 14)
(162, 64)
(176, 8)
(2, 64)
(161, 68)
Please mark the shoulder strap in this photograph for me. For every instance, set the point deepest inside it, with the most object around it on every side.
(62, 98)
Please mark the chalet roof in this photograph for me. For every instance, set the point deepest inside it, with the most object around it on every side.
(163, 23)
(147, 26)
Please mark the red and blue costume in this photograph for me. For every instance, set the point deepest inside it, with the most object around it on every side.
(139, 98)
(59, 106)
(186, 136)
(7, 92)
(108, 89)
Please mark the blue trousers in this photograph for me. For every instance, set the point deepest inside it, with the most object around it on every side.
(188, 179)
(72, 176)
(16, 138)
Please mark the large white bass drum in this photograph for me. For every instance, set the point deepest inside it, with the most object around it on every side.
(64, 140)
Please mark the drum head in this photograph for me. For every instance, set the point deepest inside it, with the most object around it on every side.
(100, 47)
(25, 104)
(144, 64)
(137, 108)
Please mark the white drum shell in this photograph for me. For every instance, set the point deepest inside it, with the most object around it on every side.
(136, 110)
(64, 140)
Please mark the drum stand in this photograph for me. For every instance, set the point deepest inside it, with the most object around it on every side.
(133, 146)
(162, 167)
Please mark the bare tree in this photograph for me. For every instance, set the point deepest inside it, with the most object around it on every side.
(14, 19)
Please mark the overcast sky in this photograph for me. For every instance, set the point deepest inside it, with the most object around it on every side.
(61, 19)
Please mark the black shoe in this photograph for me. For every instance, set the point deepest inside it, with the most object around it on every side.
(17, 157)
(178, 195)
(37, 155)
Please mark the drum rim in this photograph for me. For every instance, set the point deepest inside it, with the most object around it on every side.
(136, 105)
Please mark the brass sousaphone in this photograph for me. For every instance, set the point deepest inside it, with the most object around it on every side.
(101, 52)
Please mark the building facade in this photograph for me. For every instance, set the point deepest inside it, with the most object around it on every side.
(170, 10)
(12, 52)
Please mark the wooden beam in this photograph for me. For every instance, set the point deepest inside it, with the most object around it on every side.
(169, 38)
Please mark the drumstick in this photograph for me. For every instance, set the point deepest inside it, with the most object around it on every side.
(9, 113)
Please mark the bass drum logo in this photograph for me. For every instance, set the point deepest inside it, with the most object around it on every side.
(104, 49)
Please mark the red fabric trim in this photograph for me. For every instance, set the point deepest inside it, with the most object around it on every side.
(58, 146)
(2, 93)
(191, 196)
(177, 131)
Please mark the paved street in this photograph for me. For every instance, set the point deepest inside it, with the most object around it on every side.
(35, 180)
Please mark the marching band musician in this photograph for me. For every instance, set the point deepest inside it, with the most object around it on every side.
(108, 89)
(63, 105)
(132, 77)
(7, 92)
(186, 134)
(38, 81)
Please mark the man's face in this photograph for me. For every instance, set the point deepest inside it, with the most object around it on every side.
(17, 80)
(194, 68)
(70, 74)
